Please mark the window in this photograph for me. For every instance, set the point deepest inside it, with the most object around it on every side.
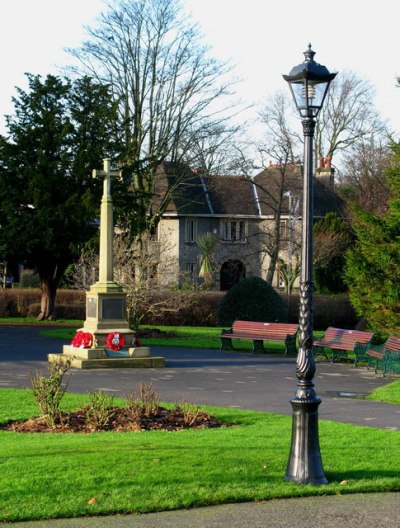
(234, 231)
(283, 228)
(190, 271)
(190, 230)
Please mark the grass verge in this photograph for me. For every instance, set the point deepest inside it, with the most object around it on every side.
(35, 321)
(68, 475)
(186, 336)
(389, 393)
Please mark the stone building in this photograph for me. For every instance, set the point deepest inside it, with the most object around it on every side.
(250, 218)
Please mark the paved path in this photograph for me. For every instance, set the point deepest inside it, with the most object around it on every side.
(233, 380)
(210, 377)
(343, 511)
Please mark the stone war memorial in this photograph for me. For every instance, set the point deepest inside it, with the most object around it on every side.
(106, 340)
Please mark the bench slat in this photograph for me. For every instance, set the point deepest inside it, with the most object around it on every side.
(341, 339)
(338, 337)
(385, 356)
(258, 332)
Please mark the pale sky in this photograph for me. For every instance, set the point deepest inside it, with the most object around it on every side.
(263, 39)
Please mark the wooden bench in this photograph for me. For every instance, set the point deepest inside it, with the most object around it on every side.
(385, 357)
(340, 341)
(260, 332)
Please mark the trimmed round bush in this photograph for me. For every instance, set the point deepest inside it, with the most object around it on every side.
(251, 299)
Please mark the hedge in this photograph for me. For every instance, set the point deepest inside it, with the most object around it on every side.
(70, 304)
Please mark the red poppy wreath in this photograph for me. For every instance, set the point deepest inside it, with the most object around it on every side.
(115, 341)
(82, 340)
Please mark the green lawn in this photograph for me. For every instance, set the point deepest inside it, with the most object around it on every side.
(187, 336)
(389, 393)
(55, 475)
(34, 320)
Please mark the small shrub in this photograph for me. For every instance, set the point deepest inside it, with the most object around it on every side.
(49, 391)
(200, 311)
(100, 410)
(251, 299)
(63, 311)
(329, 310)
(145, 402)
(16, 302)
(71, 297)
(3, 306)
(189, 412)
(33, 310)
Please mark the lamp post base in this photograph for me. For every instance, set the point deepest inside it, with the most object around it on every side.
(305, 463)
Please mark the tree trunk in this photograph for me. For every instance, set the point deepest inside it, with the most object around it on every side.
(48, 300)
(272, 267)
(274, 253)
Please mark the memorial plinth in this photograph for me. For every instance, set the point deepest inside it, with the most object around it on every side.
(105, 313)
(99, 357)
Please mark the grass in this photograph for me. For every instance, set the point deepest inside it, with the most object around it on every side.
(208, 338)
(186, 336)
(55, 475)
(34, 320)
(389, 393)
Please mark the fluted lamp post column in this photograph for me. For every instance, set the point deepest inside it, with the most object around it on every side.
(309, 83)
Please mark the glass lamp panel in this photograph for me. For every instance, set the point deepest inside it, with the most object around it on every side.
(298, 91)
(309, 96)
(316, 95)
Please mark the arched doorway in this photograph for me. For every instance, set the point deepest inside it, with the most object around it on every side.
(231, 273)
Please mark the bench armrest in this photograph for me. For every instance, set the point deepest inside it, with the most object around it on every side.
(360, 352)
(376, 348)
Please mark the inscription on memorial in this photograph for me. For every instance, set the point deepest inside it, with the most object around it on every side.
(91, 307)
(113, 309)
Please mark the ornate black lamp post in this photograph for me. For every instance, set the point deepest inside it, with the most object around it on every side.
(309, 83)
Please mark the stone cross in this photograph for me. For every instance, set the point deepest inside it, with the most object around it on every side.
(106, 267)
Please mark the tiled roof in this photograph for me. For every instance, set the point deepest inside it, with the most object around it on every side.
(194, 194)
(187, 195)
(273, 181)
(231, 195)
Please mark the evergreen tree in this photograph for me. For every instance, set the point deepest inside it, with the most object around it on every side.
(333, 237)
(59, 133)
(372, 269)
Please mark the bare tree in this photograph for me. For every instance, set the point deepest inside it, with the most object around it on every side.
(280, 137)
(279, 154)
(327, 245)
(347, 121)
(348, 117)
(85, 270)
(145, 271)
(364, 175)
(289, 271)
(220, 150)
(170, 91)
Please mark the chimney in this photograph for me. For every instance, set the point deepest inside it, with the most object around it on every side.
(325, 172)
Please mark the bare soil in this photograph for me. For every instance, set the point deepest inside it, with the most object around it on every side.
(119, 420)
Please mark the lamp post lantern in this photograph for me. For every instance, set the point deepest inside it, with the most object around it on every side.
(309, 83)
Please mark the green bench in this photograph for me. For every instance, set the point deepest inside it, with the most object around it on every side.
(260, 332)
(385, 357)
(340, 341)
